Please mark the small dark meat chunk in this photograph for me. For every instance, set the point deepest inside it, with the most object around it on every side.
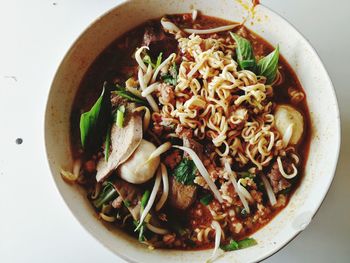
(158, 41)
(278, 182)
(117, 100)
(195, 146)
(181, 196)
(182, 132)
(173, 159)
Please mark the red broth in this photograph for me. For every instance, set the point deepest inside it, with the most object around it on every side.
(116, 64)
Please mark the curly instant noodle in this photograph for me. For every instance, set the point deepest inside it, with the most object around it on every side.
(231, 107)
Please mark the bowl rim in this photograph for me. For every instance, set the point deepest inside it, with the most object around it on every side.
(338, 137)
(326, 188)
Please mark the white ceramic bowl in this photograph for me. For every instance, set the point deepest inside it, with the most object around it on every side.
(298, 52)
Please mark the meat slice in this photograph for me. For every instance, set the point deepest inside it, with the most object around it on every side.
(278, 182)
(155, 38)
(124, 142)
(132, 194)
(181, 196)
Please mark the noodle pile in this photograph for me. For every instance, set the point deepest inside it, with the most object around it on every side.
(217, 101)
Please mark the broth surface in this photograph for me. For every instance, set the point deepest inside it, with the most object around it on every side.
(116, 64)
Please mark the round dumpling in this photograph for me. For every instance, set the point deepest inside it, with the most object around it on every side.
(290, 123)
(138, 169)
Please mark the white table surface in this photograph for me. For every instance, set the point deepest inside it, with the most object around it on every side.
(35, 224)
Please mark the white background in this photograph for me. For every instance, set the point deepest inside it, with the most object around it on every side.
(35, 224)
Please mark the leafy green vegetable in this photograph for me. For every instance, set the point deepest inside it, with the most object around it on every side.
(206, 200)
(185, 171)
(89, 121)
(159, 60)
(245, 53)
(129, 96)
(148, 60)
(144, 201)
(120, 116)
(248, 242)
(233, 245)
(107, 143)
(246, 175)
(171, 76)
(122, 92)
(108, 193)
(268, 65)
(141, 231)
(142, 237)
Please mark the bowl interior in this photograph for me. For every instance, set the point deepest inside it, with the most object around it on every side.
(303, 59)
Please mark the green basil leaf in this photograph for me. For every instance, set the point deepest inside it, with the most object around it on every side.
(268, 66)
(233, 245)
(185, 171)
(171, 76)
(206, 200)
(248, 64)
(245, 53)
(90, 120)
